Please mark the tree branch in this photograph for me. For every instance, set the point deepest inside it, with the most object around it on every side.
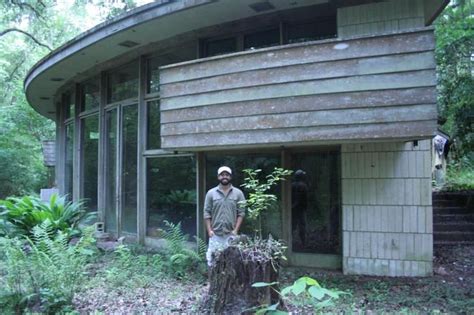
(8, 30)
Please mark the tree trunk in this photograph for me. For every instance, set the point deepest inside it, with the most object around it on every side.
(231, 280)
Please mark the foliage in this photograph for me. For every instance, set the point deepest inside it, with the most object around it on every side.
(259, 200)
(454, 44)
(18, 216)
(460, 175)
(181, 260)
(305, 291)
(43, 273)
(262, 250)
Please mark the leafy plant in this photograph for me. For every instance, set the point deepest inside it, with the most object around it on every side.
(18, 216)
(43, 273)
(305, 291)
(460, 175)
(180, 259)
(259, 200)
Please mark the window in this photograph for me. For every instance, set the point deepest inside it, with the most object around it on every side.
(220, 46)
(153, 123)
(110, 171)
(122, 83)
(90, 95)
(315, 200)
(68, 172)
(69, 105)
(153, 75)
(171, 194)
(315, 30)
(89, 160)
(262, 39)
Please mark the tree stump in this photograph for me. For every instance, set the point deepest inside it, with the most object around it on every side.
(236, 268)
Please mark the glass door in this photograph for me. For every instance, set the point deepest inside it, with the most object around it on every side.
(121, 170)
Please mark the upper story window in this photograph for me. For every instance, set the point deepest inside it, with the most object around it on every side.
(153, 75)
(314, 30)
(69, 105)
(262, 39)
(122, 83)
(90, 94)
(220, 46)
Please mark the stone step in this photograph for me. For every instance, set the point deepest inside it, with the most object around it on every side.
(442, 218)
(464, 196)
(452, 210)
(449, 203)
(452, 243)
(453, 236)
(453, 227)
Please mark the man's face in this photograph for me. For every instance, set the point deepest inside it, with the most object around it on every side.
(224, 178)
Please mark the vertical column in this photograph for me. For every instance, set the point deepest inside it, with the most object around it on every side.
(201, 194)
(286, 201)
(60, 147)
(101, 195)
(76, 169)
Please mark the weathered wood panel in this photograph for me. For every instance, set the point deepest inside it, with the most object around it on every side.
(368, 88)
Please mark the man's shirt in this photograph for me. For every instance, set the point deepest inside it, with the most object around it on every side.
(223, 210)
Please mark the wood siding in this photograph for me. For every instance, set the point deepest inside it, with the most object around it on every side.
(387, 210)
(367, 88)
(380, 17)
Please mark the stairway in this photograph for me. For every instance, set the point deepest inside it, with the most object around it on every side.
(453, 218)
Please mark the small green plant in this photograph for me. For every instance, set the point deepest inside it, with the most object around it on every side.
(180, 259)
(259, 200)
(460, 175)
(304, 292)
(42, 273)
(18, 216)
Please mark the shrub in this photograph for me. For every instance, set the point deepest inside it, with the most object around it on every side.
(18, 216)
(42, 273)
(460, 175)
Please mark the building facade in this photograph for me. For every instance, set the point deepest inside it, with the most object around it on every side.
(149, 104)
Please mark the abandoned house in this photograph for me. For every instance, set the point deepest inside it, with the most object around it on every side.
(148, 106)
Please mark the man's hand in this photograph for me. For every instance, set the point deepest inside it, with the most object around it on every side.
(210, 233)
(235, 232)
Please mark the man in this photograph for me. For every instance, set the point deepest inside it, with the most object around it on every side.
(223, 214)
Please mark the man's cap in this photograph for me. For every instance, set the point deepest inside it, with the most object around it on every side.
(224, 169)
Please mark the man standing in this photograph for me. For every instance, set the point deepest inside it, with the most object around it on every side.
(223, 214)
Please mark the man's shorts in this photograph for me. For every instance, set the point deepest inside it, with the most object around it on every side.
(216, 243)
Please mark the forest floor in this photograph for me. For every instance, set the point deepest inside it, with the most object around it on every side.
(449, 290)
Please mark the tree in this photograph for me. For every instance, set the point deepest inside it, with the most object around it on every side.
(455, 56)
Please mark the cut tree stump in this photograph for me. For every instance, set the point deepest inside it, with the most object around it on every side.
(231, 279)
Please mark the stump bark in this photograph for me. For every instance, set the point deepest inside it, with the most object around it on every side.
(231, 280)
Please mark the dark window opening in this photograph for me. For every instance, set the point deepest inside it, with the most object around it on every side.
(314, 30)
(262, 39)
(220, 46)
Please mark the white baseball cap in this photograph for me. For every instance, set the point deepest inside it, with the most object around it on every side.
(224, 169)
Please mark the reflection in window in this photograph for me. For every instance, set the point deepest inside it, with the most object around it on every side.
(110, 172)
(315, 200)
(89, 158)
(69, 160)
(220, 46)
(90, 98)
(69, 105)
(262, 39)
(315, 30)
(171, 194)
(153, 75)
(129, 169)
(122, 83)
(271, 219)
(153, 132)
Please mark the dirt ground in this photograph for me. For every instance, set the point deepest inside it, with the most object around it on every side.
(449, 290)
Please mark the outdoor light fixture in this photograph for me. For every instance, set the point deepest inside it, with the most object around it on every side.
(57, 79)
(128, 44)
(44, 98)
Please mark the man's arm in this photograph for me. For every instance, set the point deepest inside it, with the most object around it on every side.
(238, 223)
(210, 232)
(208, 214)
(240, 213)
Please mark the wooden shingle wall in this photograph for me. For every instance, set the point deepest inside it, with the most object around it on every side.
(367, 88)
(387, 211)
(380, 17)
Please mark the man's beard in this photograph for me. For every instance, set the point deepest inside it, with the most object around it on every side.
(225, 182)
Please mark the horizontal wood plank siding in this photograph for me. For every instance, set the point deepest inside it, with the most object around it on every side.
(366, 88)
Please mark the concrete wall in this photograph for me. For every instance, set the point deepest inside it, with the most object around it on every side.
(380, 17)
(387, 211)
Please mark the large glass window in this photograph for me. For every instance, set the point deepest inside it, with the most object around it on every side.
(153, 123)
(315, 199)
(271, 219)
(90, 98)
(89, 159)
(220, 46)
(129, 168)
(122, 83)
(111, 171)
(262, 39)
(314, 30)
(69, 105)
(171, 193)
(68, 171)
(153, 75)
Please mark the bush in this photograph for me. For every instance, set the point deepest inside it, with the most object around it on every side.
(42, 273)
(18, 216)
(460, 175)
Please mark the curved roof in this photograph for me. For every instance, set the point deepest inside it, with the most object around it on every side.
(147, 24)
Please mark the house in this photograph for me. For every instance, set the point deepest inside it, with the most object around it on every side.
(149, 104)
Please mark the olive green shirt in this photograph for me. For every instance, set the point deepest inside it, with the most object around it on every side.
(223, 210)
